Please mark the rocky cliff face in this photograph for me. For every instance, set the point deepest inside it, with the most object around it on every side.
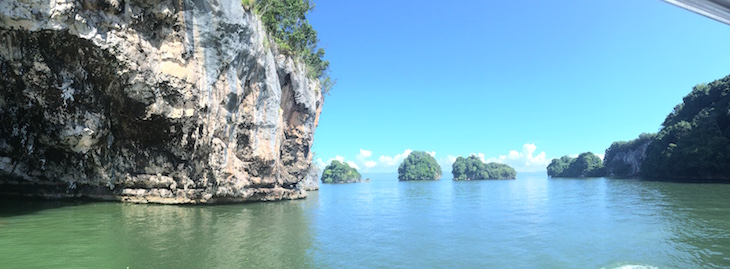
(177, 101)
(311, 182)
(625, 159)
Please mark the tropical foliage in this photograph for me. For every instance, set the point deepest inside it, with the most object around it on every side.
(586, 165)
(694, 141)
(473, 168)
(339, 172)
(287, 23)
(419, 165)
(623, 158)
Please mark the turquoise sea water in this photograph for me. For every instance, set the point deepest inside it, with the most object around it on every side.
(531, 222)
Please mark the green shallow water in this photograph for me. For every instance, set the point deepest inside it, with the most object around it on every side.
(531, 222)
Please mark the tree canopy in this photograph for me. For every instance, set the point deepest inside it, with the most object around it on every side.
(419, 165)
(286, 21)
(472, 168)
(339, 172)
(694, 141)
(585, 165)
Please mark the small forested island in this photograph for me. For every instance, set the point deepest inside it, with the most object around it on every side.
(419, 165)
(473, 168)
(339, 172)
(585, 165)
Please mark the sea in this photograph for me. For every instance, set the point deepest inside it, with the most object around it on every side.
(531, 222)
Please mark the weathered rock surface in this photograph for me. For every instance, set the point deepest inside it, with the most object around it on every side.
(177, 101)
(311, 183)
(626, 161)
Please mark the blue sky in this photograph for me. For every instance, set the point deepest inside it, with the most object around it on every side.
(520, 82)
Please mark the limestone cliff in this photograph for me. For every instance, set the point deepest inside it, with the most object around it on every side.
(624, 158)
(176, 101)
(311, 182)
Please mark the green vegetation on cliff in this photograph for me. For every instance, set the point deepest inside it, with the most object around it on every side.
(419, 165)
(473, 168)
(586, 165)
(694, 141)
(286, 22)
(339, 172)
(623, 158)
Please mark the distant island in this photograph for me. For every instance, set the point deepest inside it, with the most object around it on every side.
(473, 168)
(585, 165)
(693, 144)
(419, 165)
(339, 172)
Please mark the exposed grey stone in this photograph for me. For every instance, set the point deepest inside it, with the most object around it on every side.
(629, 160)
(311, 182)
(151, 102)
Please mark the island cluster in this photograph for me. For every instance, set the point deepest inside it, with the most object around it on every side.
(419, 165)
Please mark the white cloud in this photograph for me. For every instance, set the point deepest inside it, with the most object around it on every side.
(362, 158)
(385, 163)
(392, 161)
(525, 161)
(353, 165)
(446, 163)
(480, 155)
(339, 158)
(370, 164)
(364, 154)
(601, 155)
(320, 164)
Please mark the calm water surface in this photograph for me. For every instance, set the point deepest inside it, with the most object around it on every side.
(531, 222)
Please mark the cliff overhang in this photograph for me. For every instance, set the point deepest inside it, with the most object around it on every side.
(179, 101)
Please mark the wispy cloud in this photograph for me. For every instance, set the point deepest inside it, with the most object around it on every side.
(370, 164)
(479, 155)
(320, 164)
(365, 160)
(524, 161)
(389, 161)
(446, 163)
(364, 154)
(353, 165)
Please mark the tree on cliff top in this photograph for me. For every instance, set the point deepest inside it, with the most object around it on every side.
(473, 168)
(286, 21)
(615, 161)
(419, 165)
(695, 139)
(339, 172)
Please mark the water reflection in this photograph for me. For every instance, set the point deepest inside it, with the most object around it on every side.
(531, 222)
(113, 235)
(263, 235)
